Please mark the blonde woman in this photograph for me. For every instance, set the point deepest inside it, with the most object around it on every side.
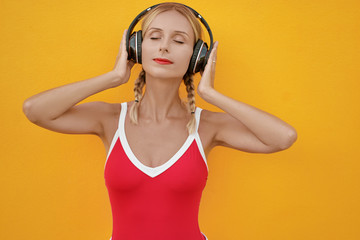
(157, 145)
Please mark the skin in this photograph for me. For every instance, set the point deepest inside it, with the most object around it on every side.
(161, 130)
(162, 119)
(169, 36)
(162, 123)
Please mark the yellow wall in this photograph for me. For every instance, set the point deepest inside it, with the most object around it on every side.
(298, 60)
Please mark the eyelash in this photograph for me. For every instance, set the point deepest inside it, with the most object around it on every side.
(153, 38)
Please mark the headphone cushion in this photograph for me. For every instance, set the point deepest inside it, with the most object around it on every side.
(132, 47)
(139, 43)
(198, 58)
(135, 42)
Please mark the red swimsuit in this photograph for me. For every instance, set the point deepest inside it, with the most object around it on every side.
(160, 203)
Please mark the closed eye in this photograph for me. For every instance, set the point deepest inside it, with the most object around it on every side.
(154, 38)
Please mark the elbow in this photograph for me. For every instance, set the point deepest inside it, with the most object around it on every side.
(27, 111)
(290, 140)
(26, 108)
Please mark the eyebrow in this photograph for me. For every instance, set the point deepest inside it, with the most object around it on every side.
(174, 31)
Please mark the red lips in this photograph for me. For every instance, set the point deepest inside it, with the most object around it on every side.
(163, 61)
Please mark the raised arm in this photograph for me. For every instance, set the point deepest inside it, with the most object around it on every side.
(242, 126)
(56, 109)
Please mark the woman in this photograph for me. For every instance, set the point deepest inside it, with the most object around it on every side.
(154, 193)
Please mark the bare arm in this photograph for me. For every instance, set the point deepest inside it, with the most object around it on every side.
(55, 109)
(247, 128)
(53, 103)
(243, 126)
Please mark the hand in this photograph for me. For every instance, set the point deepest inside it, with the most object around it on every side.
(122, 65)
(208, 75)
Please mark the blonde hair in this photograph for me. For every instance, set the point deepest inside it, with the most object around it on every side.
(188, 78)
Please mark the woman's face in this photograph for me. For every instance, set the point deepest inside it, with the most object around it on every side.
(169, 37)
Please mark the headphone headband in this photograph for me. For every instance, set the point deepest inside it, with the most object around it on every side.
(140, 15)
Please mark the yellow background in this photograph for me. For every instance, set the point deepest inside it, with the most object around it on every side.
(298, 60)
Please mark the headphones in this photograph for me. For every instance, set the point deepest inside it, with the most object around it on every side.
(200, 53)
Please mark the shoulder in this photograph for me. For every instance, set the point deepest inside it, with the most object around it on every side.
(216, 125)
(208, 127)
(109, 118)
(104, 108)
(221, 121)
(107, 114)
(215, 121)
(212, 118)
(111, 111)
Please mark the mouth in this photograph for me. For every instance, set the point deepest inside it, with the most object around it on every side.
(163, 61)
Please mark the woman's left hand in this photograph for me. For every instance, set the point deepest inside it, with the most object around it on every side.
(208, 75)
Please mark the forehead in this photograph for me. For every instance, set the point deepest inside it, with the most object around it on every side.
(172, 20)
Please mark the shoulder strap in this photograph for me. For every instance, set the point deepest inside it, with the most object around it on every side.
(197, 136)
(197, 117)
(122, 115)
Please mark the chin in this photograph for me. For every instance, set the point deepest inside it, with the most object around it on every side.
(165, 75)
(162, 72)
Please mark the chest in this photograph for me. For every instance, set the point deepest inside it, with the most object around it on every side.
(153, 145)
(160, 151)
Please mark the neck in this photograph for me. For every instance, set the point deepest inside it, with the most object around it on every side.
(161, 99)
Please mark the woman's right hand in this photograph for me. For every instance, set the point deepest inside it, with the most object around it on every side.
(122, 65)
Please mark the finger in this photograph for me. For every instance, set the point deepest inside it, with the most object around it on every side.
(211, 56)
(214, 55)
(214, 51)
(123, 42)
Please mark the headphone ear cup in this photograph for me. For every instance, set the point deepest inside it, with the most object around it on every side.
(197, 61)
(132, 47)
(139, 43)
(135, 42)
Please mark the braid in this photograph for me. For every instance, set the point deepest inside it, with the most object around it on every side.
(138, 89)
(189, 83)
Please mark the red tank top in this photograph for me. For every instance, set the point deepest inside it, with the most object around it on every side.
(160, 203)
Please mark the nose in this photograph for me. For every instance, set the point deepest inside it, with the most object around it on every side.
(164, 45)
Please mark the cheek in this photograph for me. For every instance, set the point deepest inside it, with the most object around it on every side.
(144, 50)
(186, 57)
(146, 55)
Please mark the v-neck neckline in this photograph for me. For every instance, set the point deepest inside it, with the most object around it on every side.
(150, 171)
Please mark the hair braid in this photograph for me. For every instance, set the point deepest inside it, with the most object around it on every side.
(138, 89)
(189, 83)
